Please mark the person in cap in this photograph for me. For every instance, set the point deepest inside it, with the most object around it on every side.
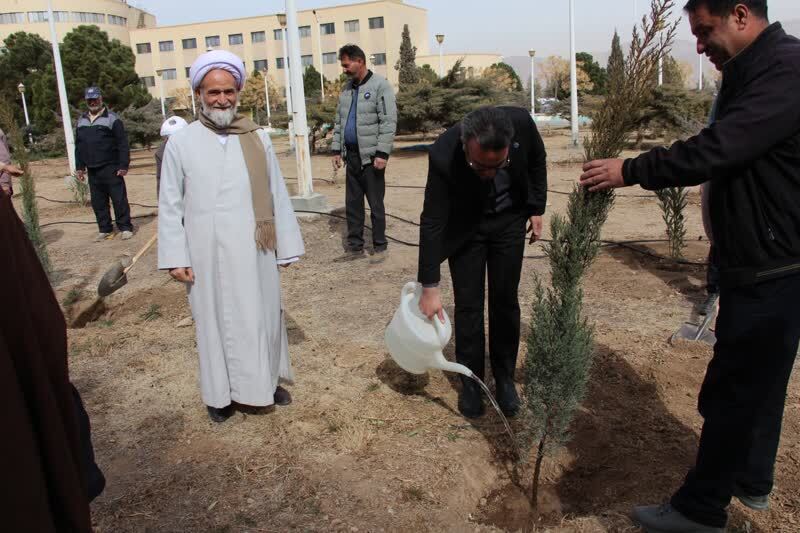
(225, 225)
(170, 126)
(102, 152)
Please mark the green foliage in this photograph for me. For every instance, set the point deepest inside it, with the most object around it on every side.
(30, 209)
(510, 72)
(597, 74)
(321, 118)
(672, 202)
(674, 76)
(152, 313)
(143, 124)
(673, 112)
(559, 354)
(311, 83)
(426, 108)
(26, 59)
(615, 71)
(427, 75)
(79, 190)
(409, 74)
(89, 58)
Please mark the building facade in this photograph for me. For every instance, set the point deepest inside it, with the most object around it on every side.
(165, 53)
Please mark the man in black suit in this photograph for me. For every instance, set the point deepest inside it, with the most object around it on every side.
(487, 176)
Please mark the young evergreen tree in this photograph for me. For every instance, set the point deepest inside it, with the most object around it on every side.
(560, 345)
(406, 64)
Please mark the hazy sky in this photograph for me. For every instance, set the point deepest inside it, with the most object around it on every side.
(510, 27)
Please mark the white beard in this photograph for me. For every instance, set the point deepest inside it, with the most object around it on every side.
(221, 117)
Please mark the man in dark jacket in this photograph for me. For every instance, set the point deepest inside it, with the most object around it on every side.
(487, 176)
(751, 157)
(101, 148)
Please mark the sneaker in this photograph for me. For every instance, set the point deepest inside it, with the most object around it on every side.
(282, 397)
(102, 237)
(126, 235)
(666, 519)
(756, 503)
(378, 256)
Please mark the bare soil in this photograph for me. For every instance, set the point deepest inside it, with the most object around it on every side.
(365, 446)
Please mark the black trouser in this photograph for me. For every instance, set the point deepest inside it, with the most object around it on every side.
(742, 399)
(712, 273)
(104, 184)
(96, 482)
(364, 181)
(497, 246)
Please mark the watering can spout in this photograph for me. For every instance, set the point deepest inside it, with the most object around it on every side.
(447, 366)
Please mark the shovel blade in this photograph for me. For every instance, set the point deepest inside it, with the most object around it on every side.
(693, 333)
(113, 280)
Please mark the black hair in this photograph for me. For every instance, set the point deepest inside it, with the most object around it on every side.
(352, 51)
(723, 8)
(490, 126)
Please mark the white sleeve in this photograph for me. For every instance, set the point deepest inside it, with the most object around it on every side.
(173, 249)
(290, 239)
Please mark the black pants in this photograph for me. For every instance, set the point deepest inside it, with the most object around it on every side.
(498, 247)
(364, 181)
(712, 273)
(742, 399)
(96, 482)
(104, 184)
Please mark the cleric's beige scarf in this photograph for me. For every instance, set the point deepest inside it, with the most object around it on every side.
(255, 158)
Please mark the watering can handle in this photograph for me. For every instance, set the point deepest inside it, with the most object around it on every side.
(437, 323)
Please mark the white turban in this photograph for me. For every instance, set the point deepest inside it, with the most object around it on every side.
(172, 125)
(217, 59)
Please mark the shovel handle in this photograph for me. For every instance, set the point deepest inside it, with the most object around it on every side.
(141, 252)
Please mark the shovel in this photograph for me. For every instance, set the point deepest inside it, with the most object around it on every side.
(117, 276)
(694, 333)
(114, 279)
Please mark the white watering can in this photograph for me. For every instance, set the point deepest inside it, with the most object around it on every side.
(416, 343)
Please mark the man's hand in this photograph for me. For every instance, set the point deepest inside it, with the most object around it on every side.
(12, 169)
(122, 173)
(535, 229)
(431, 303)
(337, 161)
(81, 174)
(379, 163)
(183, 274)
(602, 174)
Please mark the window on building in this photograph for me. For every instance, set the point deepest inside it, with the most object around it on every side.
(61, 16)
(186, 71)
(189, 44)
(379, 59)
(166, 46)
(277, 35)
(235, 39)
(305, 31)
(279, 63)
(329, 58)
(351, 26)
(148, 81)
(12, 18)
(306, 61)
(117, 21)
(258, 36)
(90, 18)
(143, 48)
(376, 23)
(212, 41)
(37, 16)
(329, 28)
(169, 74)
(261, 65)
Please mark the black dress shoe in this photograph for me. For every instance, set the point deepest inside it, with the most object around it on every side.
(282, 397)
(219, 414)
(507, 397)
(470, 401)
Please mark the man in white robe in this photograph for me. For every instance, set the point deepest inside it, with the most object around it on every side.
(213, 236)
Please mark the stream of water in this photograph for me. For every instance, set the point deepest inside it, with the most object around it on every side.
(510, 432)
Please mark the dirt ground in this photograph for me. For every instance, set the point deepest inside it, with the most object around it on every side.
(365, 446)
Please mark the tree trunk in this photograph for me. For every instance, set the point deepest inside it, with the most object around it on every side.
(537, 471)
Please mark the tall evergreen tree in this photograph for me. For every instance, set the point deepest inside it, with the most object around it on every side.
(407, 65)
(616, 64)
(311, 85)
(27, 57)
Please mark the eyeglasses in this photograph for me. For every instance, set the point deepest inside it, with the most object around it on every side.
(477, 167)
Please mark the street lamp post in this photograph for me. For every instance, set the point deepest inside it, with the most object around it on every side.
(62, 89)
(440, 40)
(533, 82)
(266, 93)
(161, 92)
(21, 89)
(573, 73)
(287, 75)
(321, 64)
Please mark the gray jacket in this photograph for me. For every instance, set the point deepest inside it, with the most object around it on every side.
(377, 118)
